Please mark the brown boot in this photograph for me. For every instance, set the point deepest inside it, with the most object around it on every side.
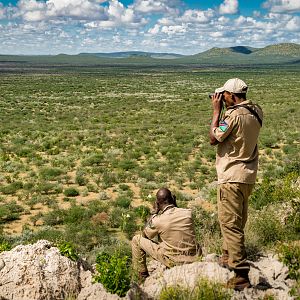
(142, 277)
(240, 281)
(223, 260)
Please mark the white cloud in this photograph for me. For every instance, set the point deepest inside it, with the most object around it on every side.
(197, 16)
(176, 29)
(33, 10)
(74, 26)
(216, 34)
(293, 24)
(282, 6)
(157, 6)
(154, 30)
(117, 15)
(229, 7)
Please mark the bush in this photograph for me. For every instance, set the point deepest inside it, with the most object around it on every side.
(115, 217)
(68, 250)
(93, 160)
(10, 211)
(289, 254)
(50, 173)
(204, 290)
(264, 228)
(269, 191)
(123, 202)
(80, 179)
(143, 212)
(71, 192)
(5, 246)
(127, 164)
(12, 188)
(113, 272)
(129, 225)
(207, 229)
(55, 217)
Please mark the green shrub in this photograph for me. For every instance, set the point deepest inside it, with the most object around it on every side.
(77, 214)
(115, 217)
(123, 202)
(204, 290)
(71, 192)
(128, 225)
(127, 164)
(50, 173)
(68, 250)
(48, 188)
(289, 254)
(93, 160)
(264, 228)
(143, 212)
(5, 246)
(10, 211)
(113, 272)
(55, 217)
(80, 179)
(124, 187)
(207, 229)
(272, 191)
(11, 188)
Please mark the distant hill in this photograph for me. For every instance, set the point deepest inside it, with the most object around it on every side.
(285, 49)
(286, 53)
(128, 54)
(273, 54)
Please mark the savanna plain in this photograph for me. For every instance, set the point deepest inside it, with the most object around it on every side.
(84, 150)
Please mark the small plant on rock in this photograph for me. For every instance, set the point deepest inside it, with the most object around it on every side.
(289, 254)
(204, 290)
(113, 272)
(5, 246)
(68, 250)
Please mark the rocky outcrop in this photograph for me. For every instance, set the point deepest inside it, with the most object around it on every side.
(268, 277)
(40, 272)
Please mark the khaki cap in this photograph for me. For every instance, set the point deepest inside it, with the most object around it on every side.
(234, 85)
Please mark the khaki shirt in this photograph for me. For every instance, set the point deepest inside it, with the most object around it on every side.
(237, 153)
(175, 231)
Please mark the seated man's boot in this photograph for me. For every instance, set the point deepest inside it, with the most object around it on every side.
(142, 276)
(240, 281)
(223, 260)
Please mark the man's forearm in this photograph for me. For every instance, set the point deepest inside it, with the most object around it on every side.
(217, 106)
(214, 123)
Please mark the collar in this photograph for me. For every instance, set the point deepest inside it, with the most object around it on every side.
(167, 207)
(242, 103)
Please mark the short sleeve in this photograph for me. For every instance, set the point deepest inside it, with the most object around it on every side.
(150, 229)
(225, 128)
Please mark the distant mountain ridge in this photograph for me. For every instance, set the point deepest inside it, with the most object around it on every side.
(280, 53)
(127, 54)
(285, 53)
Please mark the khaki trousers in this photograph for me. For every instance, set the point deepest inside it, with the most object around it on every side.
(232, 214)
(142, 246)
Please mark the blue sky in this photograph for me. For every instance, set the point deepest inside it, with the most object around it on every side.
(178, 26)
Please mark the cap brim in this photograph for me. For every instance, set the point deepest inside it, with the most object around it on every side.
(220, 90)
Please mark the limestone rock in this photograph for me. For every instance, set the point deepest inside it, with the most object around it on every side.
(268, 277)
(40, 272)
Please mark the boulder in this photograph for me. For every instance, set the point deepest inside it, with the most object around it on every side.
(40, 272)
(268, 277)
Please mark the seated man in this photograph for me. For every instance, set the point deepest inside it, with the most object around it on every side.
(176, 237)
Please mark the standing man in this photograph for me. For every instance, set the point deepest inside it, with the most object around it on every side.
(235, 134)
(174, 229)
